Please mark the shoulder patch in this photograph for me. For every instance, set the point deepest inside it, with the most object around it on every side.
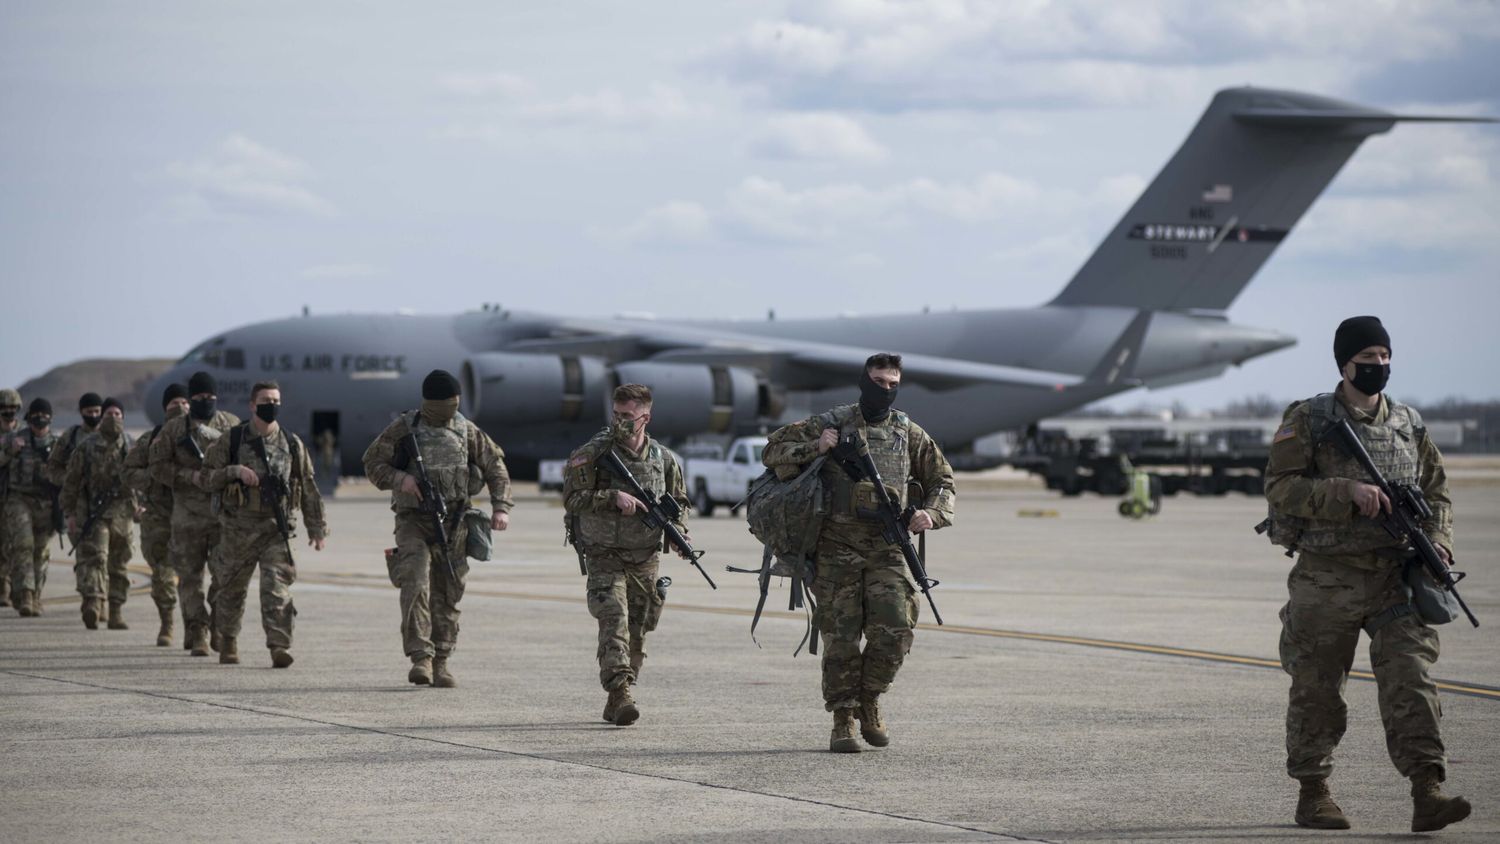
(580, 460)
(1287, 432)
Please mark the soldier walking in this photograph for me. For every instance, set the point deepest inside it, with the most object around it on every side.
(460, 460)
(861, 587)
(624, 594)
(154, 506)
(260, 469)
(1348, 577)
(10, 408)
(91, 410)
(31, 511)
(177, 461)
(100, 507)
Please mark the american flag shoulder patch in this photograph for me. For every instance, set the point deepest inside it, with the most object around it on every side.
(578, 461)
(1286, 433)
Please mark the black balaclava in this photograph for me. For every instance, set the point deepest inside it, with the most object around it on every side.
(87, 402)
(1353, 336)
(200, 383)
(874, 400)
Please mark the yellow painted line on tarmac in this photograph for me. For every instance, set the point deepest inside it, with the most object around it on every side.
(1469, 689)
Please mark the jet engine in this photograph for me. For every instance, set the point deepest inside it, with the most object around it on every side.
(501, 388)
(690, 398)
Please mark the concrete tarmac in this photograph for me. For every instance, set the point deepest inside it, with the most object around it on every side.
(1097, 679)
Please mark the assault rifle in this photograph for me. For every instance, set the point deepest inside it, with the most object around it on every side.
(853, 455)
(54, 492)
(97, 506)
(274, 492)
(192, 444)
(660, 513)
(1409, 509)
(432, 503)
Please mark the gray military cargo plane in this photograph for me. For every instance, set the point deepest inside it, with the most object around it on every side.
(1146, 309)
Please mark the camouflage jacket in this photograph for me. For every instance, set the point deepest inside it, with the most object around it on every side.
(486, 462)
(247, 504)
(62, 452)
(96, 467)
(149, 493)
(794, 446)
(174, 465)
(1315, 481)
(24, 468)
(589, 494)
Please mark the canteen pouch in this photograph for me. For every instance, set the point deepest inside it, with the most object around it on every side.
(1434, 604)
(478, 543)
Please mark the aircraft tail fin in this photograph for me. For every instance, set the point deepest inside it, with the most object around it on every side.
(1219, 208)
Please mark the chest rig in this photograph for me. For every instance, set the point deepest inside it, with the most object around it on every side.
(104, 463)
(890, 447)
(274, 455)
(1392, 445)
(26, 468)
(445, 453)
(613, 530)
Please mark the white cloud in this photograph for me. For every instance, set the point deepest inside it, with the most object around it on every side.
(240, 177)
(817, 137)
(506, 101)
(672, 223)
(930, 54)
(340, 272)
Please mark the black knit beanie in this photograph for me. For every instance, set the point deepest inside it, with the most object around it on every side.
(89, 400)
(202, 382)
(172, 392)
(1356, 334)
(439, 385)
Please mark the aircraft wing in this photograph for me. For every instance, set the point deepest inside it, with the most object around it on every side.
(806, 363)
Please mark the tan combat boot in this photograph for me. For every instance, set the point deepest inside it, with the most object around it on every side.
(197, 641)
(421, 671)
(871, 725)
(442, 678)
(623, 705)
(842, 740)
(215, 641)
(164, 635)
(1430, 809)
(4, 592)
(23, 603)
(1315, 806)
(229, 651)
(117, 616)
(90, 613)
(281, 658)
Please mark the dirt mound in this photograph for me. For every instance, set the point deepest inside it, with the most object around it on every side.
(126, 380)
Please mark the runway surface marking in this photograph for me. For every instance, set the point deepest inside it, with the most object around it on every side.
(524, 755)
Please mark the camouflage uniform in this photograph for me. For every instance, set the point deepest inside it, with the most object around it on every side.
(156, 522)
(251, 536)
(96, 467)
(195, 528)
(460, 459)
(861, 588)
(621, 550)
(11, 400)
(1349, 571)
(28, 510)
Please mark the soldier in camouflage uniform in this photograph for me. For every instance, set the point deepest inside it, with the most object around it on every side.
(96, 474)
(10, 408)
(861, 588)
(460, 460)
(30, 506)
(621, 551)
(256, 468)
(1348, 577)
(90, 408)
(175, 462)
(154, 502)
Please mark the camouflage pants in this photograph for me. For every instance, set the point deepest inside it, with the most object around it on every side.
(861, 594)
(429, 593)
(622, 596)
(194, 549)
(245, 548)
(4, 560)
(156, 545)
(28, 530)
(1320, 630)
(102, 557)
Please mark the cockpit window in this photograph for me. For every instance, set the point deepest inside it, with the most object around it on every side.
(234, 358)
(207, 353)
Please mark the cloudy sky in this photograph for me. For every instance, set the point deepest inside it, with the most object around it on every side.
(172, 169)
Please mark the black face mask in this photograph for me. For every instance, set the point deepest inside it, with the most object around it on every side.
(39, 422)
(267, 412)
(90, 422)
(7, 415)
(201, 409)
(1371, 378)
(874, 400)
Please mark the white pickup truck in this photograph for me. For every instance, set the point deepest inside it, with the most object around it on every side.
(713, 479)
